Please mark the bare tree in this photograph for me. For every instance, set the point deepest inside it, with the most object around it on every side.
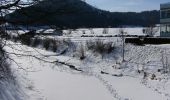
(105, 30)
(9, 6)
(83, 31)
(151, 28)
(81, 51)
(91, 30)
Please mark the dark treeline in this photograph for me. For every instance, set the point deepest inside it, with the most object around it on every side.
(78, 14)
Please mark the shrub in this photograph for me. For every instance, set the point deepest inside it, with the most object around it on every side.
(90, 44)
(15, 38)
(50, 44)
(37, 42)
(46, 43)
(99, 46)
(105, 31)
(54, 45)
(25, 40)
(83, 31)
(70, 44)
(81, 52)
(91, 30)
(109, 47)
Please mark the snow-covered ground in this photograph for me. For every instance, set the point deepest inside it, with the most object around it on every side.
(46, 81)
(89, 32)
(43, 80)
(99, 77)
(109, 31)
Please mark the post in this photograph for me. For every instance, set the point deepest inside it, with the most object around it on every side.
(123, 47)
(122, 35)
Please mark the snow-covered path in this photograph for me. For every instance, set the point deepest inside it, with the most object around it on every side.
(55, 85)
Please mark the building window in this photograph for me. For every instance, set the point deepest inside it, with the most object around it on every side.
(168, 29)
(168, 14)
(165, 28)
(162, 14)
(165, 14)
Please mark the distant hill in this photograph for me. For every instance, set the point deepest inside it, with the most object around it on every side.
(136, 19)
(77, 14)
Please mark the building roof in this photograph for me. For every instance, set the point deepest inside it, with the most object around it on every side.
(165, 5)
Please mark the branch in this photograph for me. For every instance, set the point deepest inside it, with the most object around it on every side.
(53, 62)
(9, 5)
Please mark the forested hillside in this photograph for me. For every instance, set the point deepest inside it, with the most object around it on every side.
(78, 14)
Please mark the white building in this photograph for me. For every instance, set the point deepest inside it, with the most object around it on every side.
(165, 20)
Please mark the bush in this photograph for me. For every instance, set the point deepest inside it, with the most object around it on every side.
(50, 44)
(81, 52)
(15, 38)
(105, 31)
(46, 43)
(90, 44)
(25, 40)
(70, 44)
(54, 45)
(99, 46)
(109, 47)
(37, 42)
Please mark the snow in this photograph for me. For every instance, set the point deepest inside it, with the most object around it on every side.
(50, 81)
(44, 80)
(10, 90)
(58, 84)
(111, 31)
(63, 86)
(132, 88)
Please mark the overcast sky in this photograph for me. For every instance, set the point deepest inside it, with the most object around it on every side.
(127, 5)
